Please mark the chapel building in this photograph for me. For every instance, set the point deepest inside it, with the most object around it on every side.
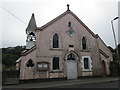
(63, 48)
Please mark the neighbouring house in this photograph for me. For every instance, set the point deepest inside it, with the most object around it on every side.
(63, 48)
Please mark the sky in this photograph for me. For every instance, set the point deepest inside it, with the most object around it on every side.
(15, 16)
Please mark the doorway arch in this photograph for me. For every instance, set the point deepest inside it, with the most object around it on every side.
(103, 67)
(71, 65)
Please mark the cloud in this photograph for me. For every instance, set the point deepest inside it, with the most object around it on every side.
(95, 14)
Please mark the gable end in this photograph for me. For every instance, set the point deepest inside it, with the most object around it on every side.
(60, 16)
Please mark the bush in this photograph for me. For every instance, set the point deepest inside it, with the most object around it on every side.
(9, 56)
(114, 69)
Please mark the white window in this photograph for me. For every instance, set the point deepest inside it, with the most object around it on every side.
(42, 66)
(45, 65)
(86, 63)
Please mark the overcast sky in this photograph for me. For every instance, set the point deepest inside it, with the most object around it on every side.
(96, 14)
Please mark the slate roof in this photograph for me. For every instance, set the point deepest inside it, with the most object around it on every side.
(32, 24)
(28, 51)
(18, 60)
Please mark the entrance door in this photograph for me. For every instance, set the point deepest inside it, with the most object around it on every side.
(71, 66)
(103, 68)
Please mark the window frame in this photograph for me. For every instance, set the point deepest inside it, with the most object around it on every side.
(52, 64)
(69, 24)
(69, 56)
(59, 42)
(28, 61)
(84, 43)
(87, 44)
(42, 68)
(54, 42)
(89, 62)
(31, 37)
(86, 62)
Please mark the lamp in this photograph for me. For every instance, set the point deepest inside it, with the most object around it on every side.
(115, 36)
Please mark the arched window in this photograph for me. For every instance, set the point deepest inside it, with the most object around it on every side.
(84, 43)
(69, 24)
(71, 56)
(30, 63)
(55, 41)
(31, 36)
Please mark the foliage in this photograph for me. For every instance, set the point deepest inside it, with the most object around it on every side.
(114, 68)
(115, 64)
(9, 59)
(114, 52)
(13, 50)
(119, 51)
(10, 55)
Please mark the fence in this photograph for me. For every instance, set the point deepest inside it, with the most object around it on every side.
(10, 77)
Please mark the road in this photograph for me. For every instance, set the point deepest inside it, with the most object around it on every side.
(104, 82)
(112, 84)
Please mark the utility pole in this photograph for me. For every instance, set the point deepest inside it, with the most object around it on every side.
(115, 37)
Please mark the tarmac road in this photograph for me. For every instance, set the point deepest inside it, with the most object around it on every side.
(111, 84)
(108, 82)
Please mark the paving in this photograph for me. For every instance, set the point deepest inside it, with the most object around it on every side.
(62, 83)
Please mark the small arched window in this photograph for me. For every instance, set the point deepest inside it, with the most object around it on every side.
(84, 43)
(69, 24)
(55, 41)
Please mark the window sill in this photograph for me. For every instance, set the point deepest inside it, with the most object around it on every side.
(56, 71)
(85, 50)
(87, 70)
(56, 49)
(42, 69)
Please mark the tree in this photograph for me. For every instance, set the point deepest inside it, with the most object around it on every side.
(119, 51)
(10, 55)
(115, 64)
(9, 59)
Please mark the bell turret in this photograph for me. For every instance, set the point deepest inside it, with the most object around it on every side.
(30, 31)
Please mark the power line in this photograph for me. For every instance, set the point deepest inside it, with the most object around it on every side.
(13, 15)
(16, 17)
